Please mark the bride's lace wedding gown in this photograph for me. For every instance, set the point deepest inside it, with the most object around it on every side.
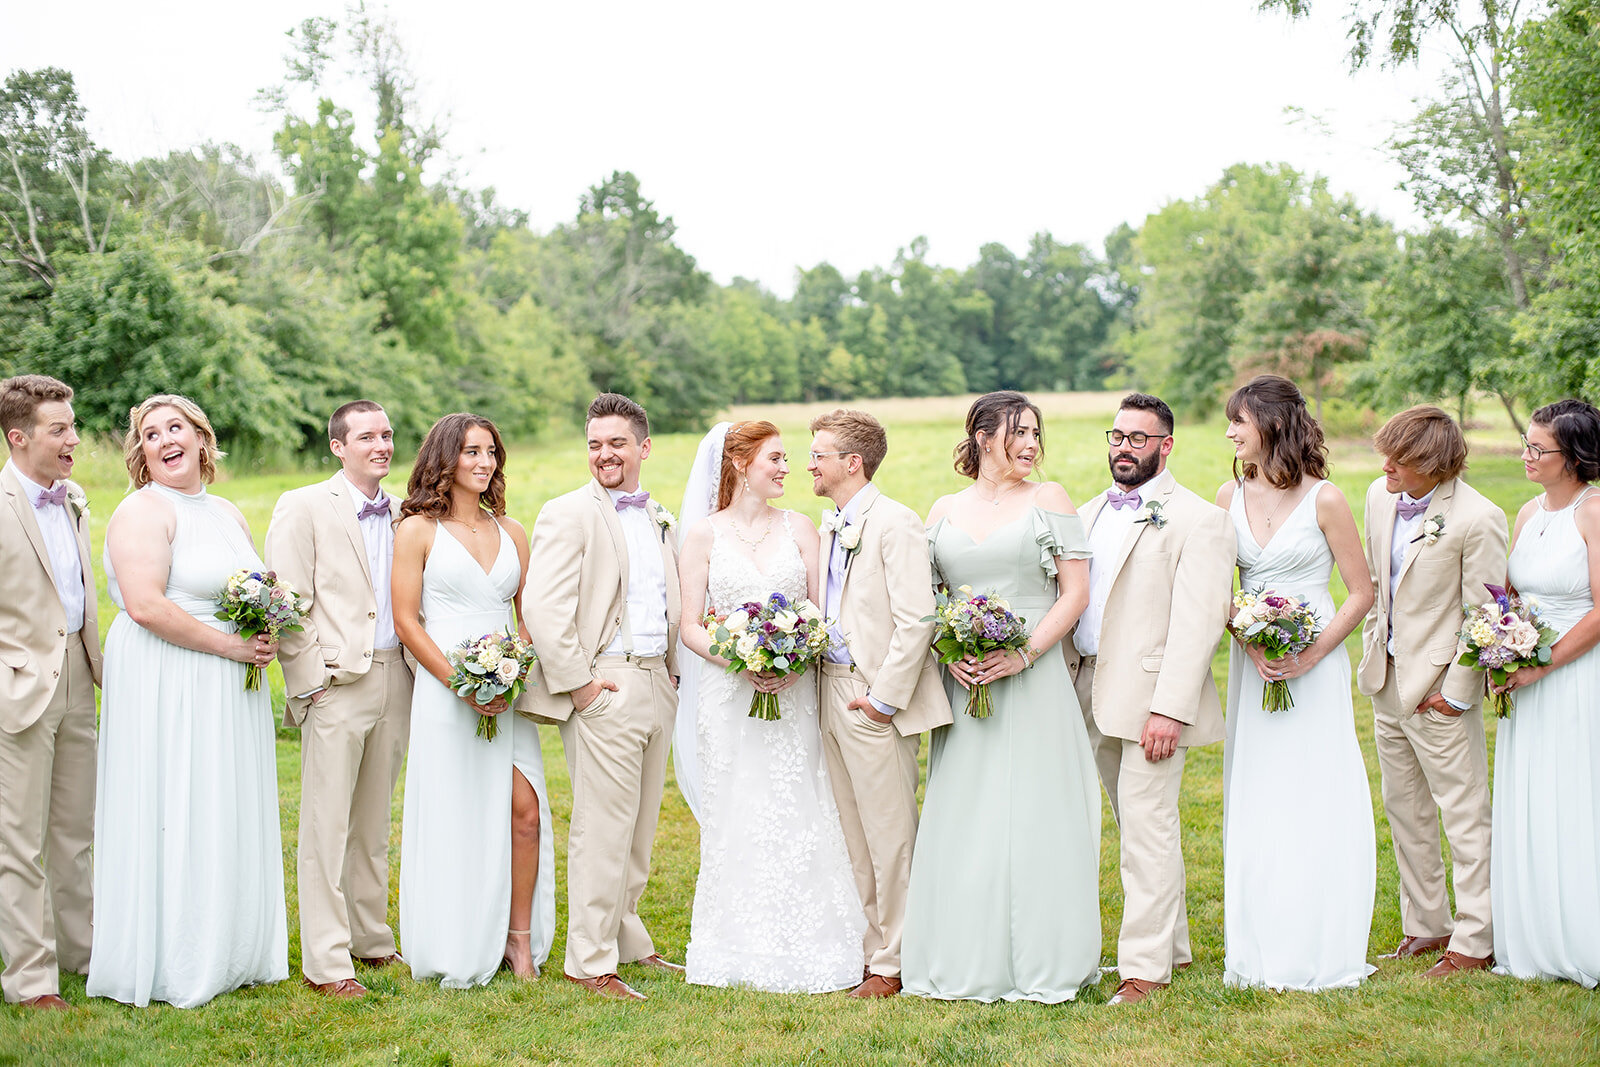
(775, 906)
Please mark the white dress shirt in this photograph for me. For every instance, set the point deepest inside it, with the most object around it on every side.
(646, 631)
(833, 598)
(377, 534)
(1405, 531)
(1111, 528)
(61, 545)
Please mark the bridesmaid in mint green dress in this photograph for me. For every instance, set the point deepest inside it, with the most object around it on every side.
(1004, 900)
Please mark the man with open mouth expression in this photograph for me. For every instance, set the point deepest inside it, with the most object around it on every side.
(49, 667)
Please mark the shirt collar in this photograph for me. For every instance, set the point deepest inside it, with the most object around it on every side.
(357, 497)
(1424, 499)
(848, 512)
(31, 487)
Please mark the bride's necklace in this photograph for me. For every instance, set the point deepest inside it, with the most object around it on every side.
(1000, 495)
(733, 524)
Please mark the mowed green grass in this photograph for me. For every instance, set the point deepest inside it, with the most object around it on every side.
(1395, 1018)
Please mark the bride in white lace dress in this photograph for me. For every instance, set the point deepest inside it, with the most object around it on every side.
(775, 906)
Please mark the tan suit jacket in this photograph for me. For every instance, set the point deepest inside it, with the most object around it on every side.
(887, 593)
(33, 627)
(314, 542)
(577, 594)
(1166, 612)
(1435, 582)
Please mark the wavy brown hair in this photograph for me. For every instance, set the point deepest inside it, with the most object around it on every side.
(738, 449)
(434, 472)
(995, 415)
(133, 445)
(1291, 441)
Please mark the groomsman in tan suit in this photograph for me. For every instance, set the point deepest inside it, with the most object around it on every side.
(602, 607)
(1140, 657)
(49, 666)
(880, 688)
(350, 694)
(1432, 542)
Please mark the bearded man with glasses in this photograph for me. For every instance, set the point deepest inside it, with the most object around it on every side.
(1160, 582)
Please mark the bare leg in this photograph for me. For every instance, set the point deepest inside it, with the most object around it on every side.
(524, 875)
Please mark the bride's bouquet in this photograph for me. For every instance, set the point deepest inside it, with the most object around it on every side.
(1503, 635)
(261, 603)
(776, 637)
(489, 666)
(1279, 625)
(968, 625)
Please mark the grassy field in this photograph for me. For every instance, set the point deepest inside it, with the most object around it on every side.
(1395, 1018)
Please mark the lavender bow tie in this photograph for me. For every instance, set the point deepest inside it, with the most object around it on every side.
(1410, 509)
(1122, 500)
(58, 495)
(369, 509)
(633, 500)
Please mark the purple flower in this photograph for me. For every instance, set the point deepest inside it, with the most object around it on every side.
(779, 601)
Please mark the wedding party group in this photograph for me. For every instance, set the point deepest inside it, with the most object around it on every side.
(1049, 650)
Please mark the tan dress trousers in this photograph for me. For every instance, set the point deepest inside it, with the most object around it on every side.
(617, 757)
(1144, 799)
(873, 771)
(352, 745)
(1433, 765)
(47, 786)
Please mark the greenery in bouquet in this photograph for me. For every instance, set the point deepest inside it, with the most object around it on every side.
(968, 624)
(486, 667)
(1503, 635)
(261, 603)
(777, 636)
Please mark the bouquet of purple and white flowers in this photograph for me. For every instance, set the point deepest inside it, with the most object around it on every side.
(975, 625)
(778, 636)
(261, 603)
(1503, 635)
(487, 667)
(1280, 626)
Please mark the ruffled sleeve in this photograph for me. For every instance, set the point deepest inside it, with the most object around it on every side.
(1059, 537)
(933, 553)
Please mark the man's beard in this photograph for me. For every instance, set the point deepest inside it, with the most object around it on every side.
(1143, 469)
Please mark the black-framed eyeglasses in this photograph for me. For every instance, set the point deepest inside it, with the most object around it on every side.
(1538, 453)
(1114, 438)
(818, 455)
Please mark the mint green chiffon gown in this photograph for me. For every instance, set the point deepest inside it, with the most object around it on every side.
(1004, 899)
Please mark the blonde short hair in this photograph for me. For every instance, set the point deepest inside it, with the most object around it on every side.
(857, 433)
(133, 446)
(1426, 439)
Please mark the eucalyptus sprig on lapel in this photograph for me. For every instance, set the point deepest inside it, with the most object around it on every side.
(1154, 515)
(1432, 528)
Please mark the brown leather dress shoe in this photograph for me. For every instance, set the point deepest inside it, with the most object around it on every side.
(877, 985)
(343, 989)
(1451, 962)
(1133, 990)
(657, 961)
(379, 961)
(1415, 946)
(47, 1002)
(609, 985)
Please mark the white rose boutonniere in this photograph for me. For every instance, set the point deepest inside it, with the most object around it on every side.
(1432, 527)
(78, 501)
(664, 520)
(1153, 514)
(850, 538)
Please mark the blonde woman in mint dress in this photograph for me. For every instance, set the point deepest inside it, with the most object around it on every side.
(1004, 900)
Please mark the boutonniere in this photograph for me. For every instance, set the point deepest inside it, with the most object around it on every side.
(1153, 514)
(77, 501)
(849, 538)
(664, 520)
(1432, 527)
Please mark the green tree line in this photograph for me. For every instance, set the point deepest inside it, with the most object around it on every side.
(341, 268)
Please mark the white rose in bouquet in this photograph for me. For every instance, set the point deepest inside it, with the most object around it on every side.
(1523, 638)
(785, 621)
(507, 671)
(738, 622)
(747, 646)
(809, 611)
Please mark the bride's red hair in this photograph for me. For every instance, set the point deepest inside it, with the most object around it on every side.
(738, 449)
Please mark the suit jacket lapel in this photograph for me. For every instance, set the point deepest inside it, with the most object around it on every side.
(29, 522)
(1438, 505)
(613, 525)
(1383, 546)
(345, 516)
(869, 496)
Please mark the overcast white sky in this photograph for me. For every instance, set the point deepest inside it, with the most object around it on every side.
(780, 134)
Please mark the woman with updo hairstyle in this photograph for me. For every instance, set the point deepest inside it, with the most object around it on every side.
(1004, 898)
(1544, 870)
(775, 903)
(477, 871)
(1300, 857)
(188, 858)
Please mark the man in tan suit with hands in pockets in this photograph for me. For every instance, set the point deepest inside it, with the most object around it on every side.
(602, 607)
(349, 692)
(1140, 657)
(1432, 542)
(880, 689)
(49, 666)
